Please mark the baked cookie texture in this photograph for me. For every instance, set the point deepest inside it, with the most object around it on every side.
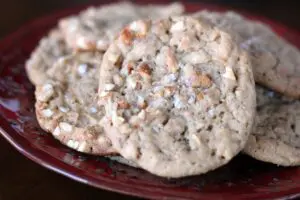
(276, 133)
(49, 49)
(275, 61)
(66, 105)
(178, 94)
(95, 27)
(73, 78)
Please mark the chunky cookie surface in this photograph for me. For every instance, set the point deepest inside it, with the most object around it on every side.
(95, 28)
(179, 96)
(275, 61)
(66, 105)
(49, 50)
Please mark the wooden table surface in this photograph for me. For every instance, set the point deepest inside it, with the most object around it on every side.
(22, 179)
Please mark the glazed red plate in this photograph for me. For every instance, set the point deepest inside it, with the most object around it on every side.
(242, 178)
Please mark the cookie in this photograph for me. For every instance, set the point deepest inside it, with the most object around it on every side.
(275, 61)
(50, 48)
(95, 27)
(276, 134)
(66, 105)
(178, 94)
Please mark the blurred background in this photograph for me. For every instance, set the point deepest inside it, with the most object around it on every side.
(16, 12)
(25, 180)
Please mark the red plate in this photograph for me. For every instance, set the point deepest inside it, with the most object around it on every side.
(242, 178)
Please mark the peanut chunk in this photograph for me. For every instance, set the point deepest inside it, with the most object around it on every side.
(115, 58)
(171, 61)
(145, 71)
(200, 80)
(84, 43)
(142, 104)
(140, 28)
(126, 36)
(105, 94)
(200, 96)
(169, 91)
(127, 68)
(122, 104)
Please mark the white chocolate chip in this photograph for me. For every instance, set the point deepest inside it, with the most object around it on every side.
(47, 87)
(117, 120)
(82, 147)
(118, 80)
(139, 27)
(83, 43)
(109, 86)
(63, 109)
(46, 93)
(229, 74)
(82, 69)
(113, 57)
(93, 110)
(196, 57)
(103, 94)
(192, 99)
(62, 60)
(142, 115)
(170, 78)
(179, 26)
(76, 144)
(134, 26)
(102, 44)
(125, 128)
(56, 131)
(73, 144)
(188, 70)
(70, 143)
(211, 112)
(196, 139)
(134, 120)
(102, 140)
(47, 112)
(66, 127)
(131, 82)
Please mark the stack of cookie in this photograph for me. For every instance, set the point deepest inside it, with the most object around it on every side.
(167, 91)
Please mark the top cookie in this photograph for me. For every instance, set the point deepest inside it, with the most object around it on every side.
(50, 48)
(179, 96)
(276, 133)
(275, 61)
(95, 28)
